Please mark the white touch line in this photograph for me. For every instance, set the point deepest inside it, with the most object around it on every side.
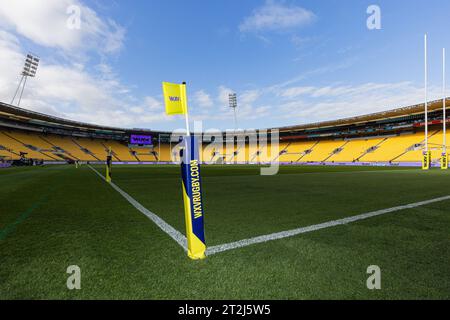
(181, 239)
(164, 226)
(294, 232)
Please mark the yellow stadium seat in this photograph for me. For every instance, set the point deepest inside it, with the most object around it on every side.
(10, 141)
(435, 142)
(323, 150)
(393, 148)
(354, 149)
(295, 151)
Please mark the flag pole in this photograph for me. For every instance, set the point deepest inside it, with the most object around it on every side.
(426, 157)
(188, 131)
(444, 156)
(175, 98)
(192, 189)
(426, 96)
(443, 103)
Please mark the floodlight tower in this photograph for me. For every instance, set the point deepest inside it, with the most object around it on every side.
(232, 100)
(29, 70)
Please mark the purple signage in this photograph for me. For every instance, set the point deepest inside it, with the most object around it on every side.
(140, 139)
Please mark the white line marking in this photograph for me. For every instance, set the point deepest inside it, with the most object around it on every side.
(182, 241)
(164, 226)
(285, 234)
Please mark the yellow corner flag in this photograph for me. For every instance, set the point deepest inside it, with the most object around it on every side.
(176, 103)
(175, 98)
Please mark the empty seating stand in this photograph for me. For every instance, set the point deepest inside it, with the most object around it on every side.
(15, 144)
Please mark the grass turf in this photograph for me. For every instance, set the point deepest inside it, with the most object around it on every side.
(54, 217)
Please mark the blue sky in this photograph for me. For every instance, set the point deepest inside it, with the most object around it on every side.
(290, 62)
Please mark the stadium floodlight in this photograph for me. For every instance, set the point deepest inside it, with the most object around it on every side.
(232, 101)
(29, 70)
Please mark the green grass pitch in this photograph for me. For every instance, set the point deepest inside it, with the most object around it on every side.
(57, 216)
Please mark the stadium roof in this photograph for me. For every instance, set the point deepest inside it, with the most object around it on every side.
(27, 116)
(383, 115)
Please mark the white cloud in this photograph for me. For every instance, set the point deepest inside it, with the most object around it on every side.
(153, 104)
(249, 96)
(203, 103)
(45, 23)
(11, 63)
(75, 88)
(248, 107)
(308, 104)
(202, 99)
(224, 95)
(71, 91)
(276, 16)
(296, 91)
(315, 104)
(93, 92)
(315, 72)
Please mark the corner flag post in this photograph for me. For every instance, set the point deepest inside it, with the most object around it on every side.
(444, 157)
(426, 159)
(175, 99)
(109, 166)
(184, 101)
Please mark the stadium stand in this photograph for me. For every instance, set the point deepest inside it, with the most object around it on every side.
(20, 149)
(355, 149)
(266, 152)
(297, 150)
(120, 152)
(96, 147)
(435, 146)
(324, 150)
(68, 147)
(394, 136)
(164, 152)
(252, 153)
(394, 147)
(145, 154)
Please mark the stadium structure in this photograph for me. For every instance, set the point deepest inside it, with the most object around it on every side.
(394, 137)
(348, 196)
